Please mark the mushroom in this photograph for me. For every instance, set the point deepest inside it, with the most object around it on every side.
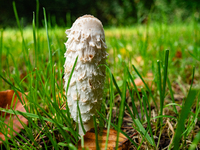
(86, 40)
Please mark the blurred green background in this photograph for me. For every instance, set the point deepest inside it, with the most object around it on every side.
(110, 12)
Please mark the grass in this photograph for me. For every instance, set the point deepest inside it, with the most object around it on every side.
(164, 115)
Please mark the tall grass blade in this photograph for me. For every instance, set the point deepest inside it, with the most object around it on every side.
(96, 133)
(160, 91)
(79, 117)
(164, 83)
(117, 87)
(138, 95)
(122, 106)
(120, 93)
(25, 50)
(36, 57)
(49, 48)
(116, 127)
(145, 101)
(70, 76)
(34, 39)
(1, 50)
(165, 70)
(133, 104)
(184, 113)
(37, 27)
(172, 95)
(146, 86)
(111, 105)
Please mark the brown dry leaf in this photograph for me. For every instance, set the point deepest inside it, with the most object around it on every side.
(178, 55)
(89, 140)
(6, 98)
(148, 80)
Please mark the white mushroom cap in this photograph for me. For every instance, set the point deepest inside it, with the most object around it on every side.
(87, 26)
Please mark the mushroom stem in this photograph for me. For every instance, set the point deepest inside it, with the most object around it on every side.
(87, 126)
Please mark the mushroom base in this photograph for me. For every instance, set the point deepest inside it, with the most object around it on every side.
(87, 126)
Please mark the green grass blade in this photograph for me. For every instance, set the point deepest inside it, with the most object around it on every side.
(79, 117)
(117, 87)
(160, 91)
(1, 50)
(133, 104)
(96, 133)
(25, 114)
(25, 50)
(121, 110)
(49, 47)
(16, 16)
(71, 146)
(145, 86)
(51, 69)
(164, 116)
(70, 76)
(111, 105)
(165, 73)
(37, 28)
(120, 93)
(37, 13)
(164, 82)
(34, 39)
(172, 95)
(195, 142)
(116, 127)
(184, 113)
(145, 101)
(144, 132)
(138, 95)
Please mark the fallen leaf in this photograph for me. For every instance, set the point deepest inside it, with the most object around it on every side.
(148, 80)
(8, 100)
(178, 55)
(90, 143)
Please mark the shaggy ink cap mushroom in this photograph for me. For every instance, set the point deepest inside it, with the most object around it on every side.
(86, 40)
